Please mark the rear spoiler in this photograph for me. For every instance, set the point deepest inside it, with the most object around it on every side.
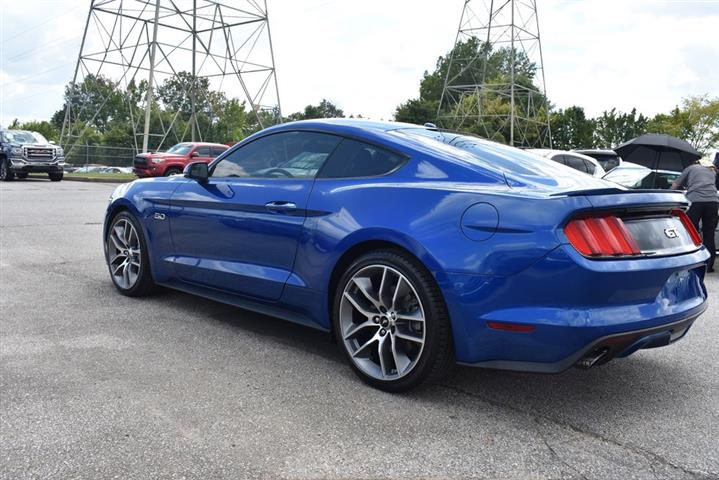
(615, 197)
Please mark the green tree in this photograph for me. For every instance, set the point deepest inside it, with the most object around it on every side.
(43, 127)
(614, 127)
(696, 121)
(571, 129)
(325, 109)
(96, 102)
(473, 62)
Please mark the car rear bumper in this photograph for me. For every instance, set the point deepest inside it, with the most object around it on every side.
(570, 305)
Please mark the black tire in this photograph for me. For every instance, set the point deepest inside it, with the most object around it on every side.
(6, 174)
(172, 171)
(55, 177)
(21, 175)
(437, 355)
(144, 285)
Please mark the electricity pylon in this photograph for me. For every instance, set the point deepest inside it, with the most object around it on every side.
(511, 105)
(136, 45)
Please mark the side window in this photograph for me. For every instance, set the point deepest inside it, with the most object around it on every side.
(558, 159)
(203, 151)
(354, 159)
(576, 163)
(216, 151)
(590, 167)
(282, 155)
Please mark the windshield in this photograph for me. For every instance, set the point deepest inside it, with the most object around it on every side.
(23, 136)
(181, 148)
(642, 178)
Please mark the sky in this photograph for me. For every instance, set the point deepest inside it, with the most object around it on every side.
(368, 56)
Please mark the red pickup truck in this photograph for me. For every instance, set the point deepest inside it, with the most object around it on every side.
(174, 160)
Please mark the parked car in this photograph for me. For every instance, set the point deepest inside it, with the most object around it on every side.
(573, 160)
(116, 170)
(92, 168)
(23, 152)
(608, 159)
(416, 248)
(635, 176)
(172, 162)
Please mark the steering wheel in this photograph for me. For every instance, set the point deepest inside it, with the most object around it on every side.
(279, 170)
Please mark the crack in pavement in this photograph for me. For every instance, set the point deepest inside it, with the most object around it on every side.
(650, 456)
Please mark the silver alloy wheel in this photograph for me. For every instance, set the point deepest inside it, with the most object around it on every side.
(382, 322)
(123, 253)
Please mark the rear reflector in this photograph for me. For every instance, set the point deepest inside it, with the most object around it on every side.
(602, 236)
(511, 327)
(686, 221)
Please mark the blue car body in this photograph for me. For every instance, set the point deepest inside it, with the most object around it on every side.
(485, 219)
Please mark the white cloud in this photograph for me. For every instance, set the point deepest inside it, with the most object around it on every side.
(368, 56)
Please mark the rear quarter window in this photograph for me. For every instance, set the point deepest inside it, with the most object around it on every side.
(355, 159)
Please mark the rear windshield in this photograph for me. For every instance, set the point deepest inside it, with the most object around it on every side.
(642, 178)
(490, 155)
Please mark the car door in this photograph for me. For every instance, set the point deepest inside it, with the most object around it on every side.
(239, 231)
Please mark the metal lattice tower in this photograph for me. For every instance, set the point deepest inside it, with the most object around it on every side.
(513, 103)
(136, 43)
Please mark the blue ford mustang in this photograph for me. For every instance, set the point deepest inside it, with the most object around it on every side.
(417, 248)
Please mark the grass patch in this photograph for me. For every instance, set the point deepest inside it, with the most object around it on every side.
(103, 176)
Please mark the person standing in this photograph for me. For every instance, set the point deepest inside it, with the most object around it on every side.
(700, 180)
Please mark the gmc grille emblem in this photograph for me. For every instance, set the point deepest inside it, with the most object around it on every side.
(671, 232)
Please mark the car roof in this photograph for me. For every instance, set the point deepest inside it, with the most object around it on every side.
(546, 152)
(635, 166)
(595, 150)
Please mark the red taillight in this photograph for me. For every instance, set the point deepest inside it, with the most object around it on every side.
(686, 221)
(602, 236)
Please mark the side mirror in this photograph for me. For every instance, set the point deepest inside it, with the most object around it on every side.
(197, 171)
(195, 154)
(52, 142)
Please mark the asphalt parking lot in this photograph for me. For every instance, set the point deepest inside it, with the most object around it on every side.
(96, 385)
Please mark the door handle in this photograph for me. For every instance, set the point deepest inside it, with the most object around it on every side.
(280, 207)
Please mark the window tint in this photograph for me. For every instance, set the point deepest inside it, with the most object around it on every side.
(282, 155)
(216, 151)
(558, 159)
(590, 167)
(356, 159)
(575, 162)
(203, 151)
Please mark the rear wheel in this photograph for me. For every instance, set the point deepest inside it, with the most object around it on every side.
(172, 171)
(55, 177)
(5, 173)
(391, 321)
(127, 258)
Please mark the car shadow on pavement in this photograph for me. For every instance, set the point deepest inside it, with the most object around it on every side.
(288, 334)
(647, 381)
(643, 383)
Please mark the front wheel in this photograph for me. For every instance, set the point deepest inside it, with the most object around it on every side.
(127, 258)
(391, 321)
(5, 173)
(55, 177)
(172, 171)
